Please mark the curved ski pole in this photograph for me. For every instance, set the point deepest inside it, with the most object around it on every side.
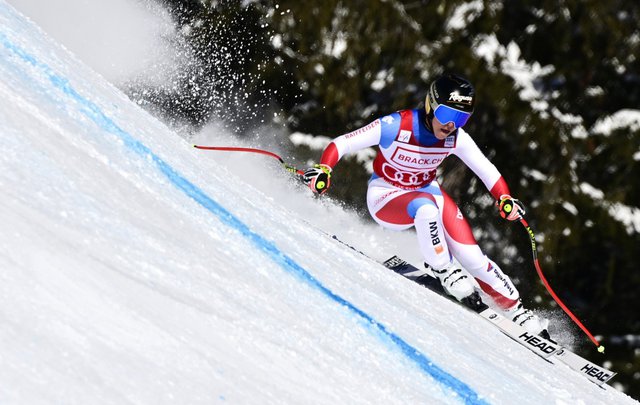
(287, 167)
(553, 294)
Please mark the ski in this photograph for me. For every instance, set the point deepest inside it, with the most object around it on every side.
(544, 348)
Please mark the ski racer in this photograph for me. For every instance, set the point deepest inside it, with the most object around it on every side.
(404, 192)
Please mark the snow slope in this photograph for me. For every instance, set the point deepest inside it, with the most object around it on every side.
(136, 269)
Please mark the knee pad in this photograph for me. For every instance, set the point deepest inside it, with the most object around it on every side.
(424, 208)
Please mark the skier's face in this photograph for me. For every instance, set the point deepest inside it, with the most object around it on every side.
(441, 131)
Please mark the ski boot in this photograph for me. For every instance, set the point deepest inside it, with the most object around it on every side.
(457, 284)
(530, 321)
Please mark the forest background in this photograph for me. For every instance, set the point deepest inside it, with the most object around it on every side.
(558, 90)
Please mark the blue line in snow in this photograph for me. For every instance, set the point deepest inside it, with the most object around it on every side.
(92, 111)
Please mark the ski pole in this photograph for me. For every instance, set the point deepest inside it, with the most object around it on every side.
(287, 167)
(548, 287)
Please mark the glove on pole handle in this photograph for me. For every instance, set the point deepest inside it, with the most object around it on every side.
(553, 294)
(287, 167)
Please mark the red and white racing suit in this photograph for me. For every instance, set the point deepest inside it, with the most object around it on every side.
(403, 192)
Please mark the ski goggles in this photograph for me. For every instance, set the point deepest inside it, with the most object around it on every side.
(446, 114)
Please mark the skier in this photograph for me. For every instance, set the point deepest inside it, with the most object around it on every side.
(403, 191)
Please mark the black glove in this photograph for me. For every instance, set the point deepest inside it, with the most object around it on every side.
(510, 208)
(318, 178)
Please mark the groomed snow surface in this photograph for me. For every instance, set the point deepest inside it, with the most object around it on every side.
(136, 269)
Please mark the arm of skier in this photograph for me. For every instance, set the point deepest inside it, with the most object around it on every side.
(467, 150)
(318, 178)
